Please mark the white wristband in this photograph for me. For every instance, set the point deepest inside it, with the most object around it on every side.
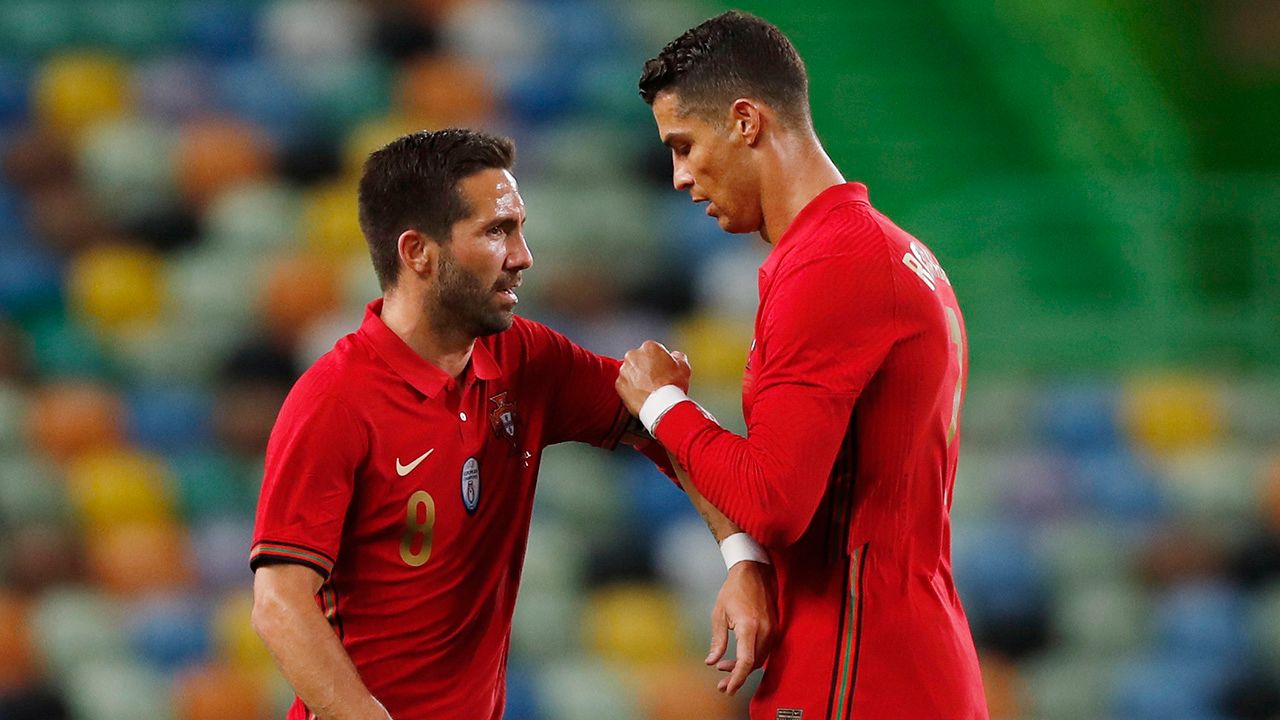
(658, 403)
(741, 546)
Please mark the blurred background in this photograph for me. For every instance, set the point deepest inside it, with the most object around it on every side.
(178, 241)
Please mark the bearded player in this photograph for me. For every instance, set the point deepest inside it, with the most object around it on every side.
(399, 480)
(852, 394)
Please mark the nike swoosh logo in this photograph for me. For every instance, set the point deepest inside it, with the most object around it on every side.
(403, 470)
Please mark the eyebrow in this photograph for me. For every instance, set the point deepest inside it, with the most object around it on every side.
(673, 137)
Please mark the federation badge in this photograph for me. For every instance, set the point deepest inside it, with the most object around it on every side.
(471, 485)
(503, 420)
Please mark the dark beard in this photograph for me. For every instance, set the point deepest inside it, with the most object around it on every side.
(463, 303)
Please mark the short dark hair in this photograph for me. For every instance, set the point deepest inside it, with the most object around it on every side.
(732, 55)
(412, 182)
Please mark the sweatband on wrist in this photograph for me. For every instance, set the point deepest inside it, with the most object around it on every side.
(741, 546)
(657, 405)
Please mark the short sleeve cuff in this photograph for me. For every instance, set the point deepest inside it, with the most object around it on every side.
(269, 552)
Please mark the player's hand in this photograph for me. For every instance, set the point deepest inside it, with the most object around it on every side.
(747, 605)
(648, 368)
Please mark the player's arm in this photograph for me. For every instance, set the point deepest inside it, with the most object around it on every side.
(746, 604)
(820, 355)
(310, 655)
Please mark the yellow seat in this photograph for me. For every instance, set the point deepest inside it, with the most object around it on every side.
(74, 91)
(117, 287)
(634, 624)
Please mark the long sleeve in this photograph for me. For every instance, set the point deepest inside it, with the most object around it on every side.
(827, 324)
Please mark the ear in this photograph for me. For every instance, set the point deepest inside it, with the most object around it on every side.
(418, 253)
(747, 120)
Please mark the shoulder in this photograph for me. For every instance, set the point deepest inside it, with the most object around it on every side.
(523, 338)
(335, 378)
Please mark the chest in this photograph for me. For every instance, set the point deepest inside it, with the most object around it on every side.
(459, 462)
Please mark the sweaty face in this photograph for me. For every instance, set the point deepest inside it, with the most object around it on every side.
(479, 268)
(711, 162)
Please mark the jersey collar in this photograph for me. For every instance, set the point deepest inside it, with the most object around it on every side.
(421, 374)
(817, 207)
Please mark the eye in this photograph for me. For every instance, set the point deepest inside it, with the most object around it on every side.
(496, 231)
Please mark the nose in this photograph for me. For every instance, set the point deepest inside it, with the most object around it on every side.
(518, 255)
(681, 178)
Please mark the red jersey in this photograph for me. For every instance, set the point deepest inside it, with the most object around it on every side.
(852, 399)
(411, 493)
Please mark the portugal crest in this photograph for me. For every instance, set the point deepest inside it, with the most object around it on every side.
(503, 420)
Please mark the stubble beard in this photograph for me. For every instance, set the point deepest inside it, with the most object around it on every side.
(462, 303)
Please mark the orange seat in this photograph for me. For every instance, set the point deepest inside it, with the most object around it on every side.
(444, 92)
(70, 418)
(686, 689)
(16, 659)
(299, 290)
(214, 155)
(138, 558)
(218, 692)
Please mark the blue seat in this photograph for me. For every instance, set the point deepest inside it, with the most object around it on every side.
(170, 634)
(1159, 688)
(1080, 416)
(15, 90)
(1203, 622)
(221, 556)
(169, 419)
(1117, 484)
(218, 29)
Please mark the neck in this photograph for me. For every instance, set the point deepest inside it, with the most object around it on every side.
(406, 314)
(801, 169)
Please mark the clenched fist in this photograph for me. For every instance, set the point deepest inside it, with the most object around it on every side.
(648, 368)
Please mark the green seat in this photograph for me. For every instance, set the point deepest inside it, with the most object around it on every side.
(556, 558)
(75, 629)
(578, 688)
(254, 220)
(1264, 624)
(579, 487)
(130, 27)
(31, 28)
(592, 226)
(180, 349)
(31, 491)
(342, 93)
(118, 690)
(546, 623)
(212, 484)
(14, 406)
(210, 285)
(1217, 487)
(63, 348)
(1069, 685)
(128, 165)
(1084, 552)
(1103, 620)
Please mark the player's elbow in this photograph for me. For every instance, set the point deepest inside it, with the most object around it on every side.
(778, 520)
(271, 611)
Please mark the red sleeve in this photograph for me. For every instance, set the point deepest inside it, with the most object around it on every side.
(315, 449)
(828, 325)
(578, 389)
(583, 404)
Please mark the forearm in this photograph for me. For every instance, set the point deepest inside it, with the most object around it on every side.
(312, 658)
(721, 527)
(771, 482)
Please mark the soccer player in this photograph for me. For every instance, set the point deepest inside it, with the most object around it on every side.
(399, 480)
(852, 394)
